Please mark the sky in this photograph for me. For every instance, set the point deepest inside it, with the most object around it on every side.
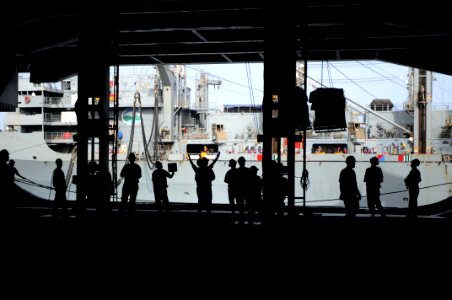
(2, 116)
(362, 82)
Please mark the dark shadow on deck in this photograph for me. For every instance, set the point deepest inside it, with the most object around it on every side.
(185, 241)
(323, 229)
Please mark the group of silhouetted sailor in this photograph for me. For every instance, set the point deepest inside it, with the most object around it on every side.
(131, 172)
(244, 190)
(244, 187)
(373, 178)
(10, 191)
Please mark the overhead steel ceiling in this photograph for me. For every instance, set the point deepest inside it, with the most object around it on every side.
(43, 37)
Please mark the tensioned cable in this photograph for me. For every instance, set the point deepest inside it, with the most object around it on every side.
(351, 80)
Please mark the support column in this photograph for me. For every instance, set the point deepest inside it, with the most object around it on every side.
(279, 86)
(92, 106)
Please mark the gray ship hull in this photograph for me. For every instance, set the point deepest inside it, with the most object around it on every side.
(323, 189)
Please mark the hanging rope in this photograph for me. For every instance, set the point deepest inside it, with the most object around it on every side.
(147, 157)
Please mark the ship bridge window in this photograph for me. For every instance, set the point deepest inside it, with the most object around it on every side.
(218, 127)
(198, 148)
(322, 148)
(381, 105)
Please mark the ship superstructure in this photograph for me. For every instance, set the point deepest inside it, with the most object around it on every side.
(47, 109)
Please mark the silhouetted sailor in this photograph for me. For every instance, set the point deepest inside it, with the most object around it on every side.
(160, 184)
(204, 176)
(243, 186)
(7, 185)
(231, 179)
(59, 184)
(349, 188)
(12, 164)
(131, 173)
(276, 193)
(104, 189)
(254, 199)
(412, 184)
(373, 179)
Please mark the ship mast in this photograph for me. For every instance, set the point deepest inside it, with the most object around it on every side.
(156, 126)
(202, 97)
(420, 101)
